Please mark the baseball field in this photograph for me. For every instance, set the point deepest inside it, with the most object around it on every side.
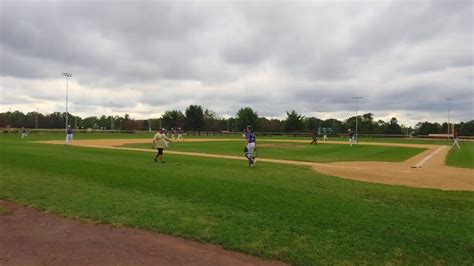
(392, 202)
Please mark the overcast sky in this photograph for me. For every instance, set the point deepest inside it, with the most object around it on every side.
(274, 56)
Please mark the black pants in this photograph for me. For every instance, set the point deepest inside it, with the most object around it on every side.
(160, 151)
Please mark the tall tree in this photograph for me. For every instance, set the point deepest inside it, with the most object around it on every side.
(172, 119)
(393, 127)
(294, 121)
(211, 121)
(312, 123)
(195, 117)
(246, 116)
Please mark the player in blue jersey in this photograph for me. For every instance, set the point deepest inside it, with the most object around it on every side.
(351, 136)
(251, 146)
(69, 135)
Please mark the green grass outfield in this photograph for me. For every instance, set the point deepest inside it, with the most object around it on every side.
(298, 151)
(290, 213)
(463, 157)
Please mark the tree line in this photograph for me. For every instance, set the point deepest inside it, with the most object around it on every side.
(196, 118)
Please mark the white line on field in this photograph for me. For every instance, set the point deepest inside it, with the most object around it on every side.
(429, 157)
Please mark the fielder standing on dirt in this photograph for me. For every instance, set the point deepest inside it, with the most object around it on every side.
(251, 146)
(159, 142)
(69, 135)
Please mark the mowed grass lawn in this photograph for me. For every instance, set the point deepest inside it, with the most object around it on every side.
(463, 157)
(298, 151)
(275, 211)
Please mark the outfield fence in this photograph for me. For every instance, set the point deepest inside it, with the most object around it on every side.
(231, 133)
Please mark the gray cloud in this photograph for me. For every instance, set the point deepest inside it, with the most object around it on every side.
(403, 56)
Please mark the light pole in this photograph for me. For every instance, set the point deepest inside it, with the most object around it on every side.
(320, 118)
(149, 126)
(75, 117)
(111, 117)
(357, 98)
(407, 124)
(67, 75)
(36, 118)
(449, 109)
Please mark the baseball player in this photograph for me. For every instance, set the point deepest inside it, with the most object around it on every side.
(351, 136)
(159, 141)
(173, 133)
(456, 140)
(180, 134)
(251, 146)
(315, 137)
(24, 134)
(69, 135)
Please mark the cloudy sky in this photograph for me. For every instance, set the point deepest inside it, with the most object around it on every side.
(274, 56)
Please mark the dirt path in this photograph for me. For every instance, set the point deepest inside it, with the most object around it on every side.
(32, 237)
(425, 170)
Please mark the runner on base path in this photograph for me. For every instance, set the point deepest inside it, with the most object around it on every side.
(159, 142)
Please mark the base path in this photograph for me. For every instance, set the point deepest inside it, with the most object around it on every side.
(32, 237)
(425, 170)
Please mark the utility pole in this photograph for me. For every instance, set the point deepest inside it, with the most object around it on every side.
(449, 109)
(75, 117)
(111, 117)
(67, 75)
(407, 124)
(357, 98)
(149, 126)
(36, 118)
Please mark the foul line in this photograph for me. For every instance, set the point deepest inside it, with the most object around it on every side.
(418, 165)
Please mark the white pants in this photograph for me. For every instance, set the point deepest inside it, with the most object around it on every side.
(68, 138)
(456, 142)
(23, 135)
(250, 149)
(180, 136)
(351, 140)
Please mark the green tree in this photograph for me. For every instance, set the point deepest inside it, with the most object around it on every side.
(294, 122)
(195, 117)
(172, 119)
(312, 123)
(211, 121)
(246, 116)
(393, 127)
(466, 129)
